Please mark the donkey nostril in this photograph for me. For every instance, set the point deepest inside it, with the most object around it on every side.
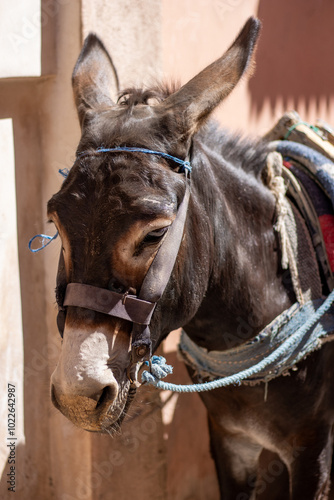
(96, 396)
(108, 394)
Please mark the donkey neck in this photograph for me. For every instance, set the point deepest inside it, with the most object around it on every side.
(245, 290)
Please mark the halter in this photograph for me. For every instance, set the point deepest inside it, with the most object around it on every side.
(137, 309)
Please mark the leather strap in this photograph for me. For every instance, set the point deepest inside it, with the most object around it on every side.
(157, 278)
(158, 275)
(123, 306)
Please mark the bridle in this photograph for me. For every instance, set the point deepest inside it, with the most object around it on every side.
(128, 306)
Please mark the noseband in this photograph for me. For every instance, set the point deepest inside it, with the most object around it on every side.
(137, 309)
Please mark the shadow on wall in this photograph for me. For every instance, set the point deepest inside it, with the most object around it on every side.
(294, 60)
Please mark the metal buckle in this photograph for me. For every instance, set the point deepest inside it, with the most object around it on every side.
(130, 291)
(141, 352)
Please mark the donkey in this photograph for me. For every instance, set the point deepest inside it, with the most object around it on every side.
(114, 212)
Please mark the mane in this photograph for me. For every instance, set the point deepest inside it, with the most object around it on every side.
(247, 153)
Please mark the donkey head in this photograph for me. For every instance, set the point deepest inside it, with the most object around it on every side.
(113, 213)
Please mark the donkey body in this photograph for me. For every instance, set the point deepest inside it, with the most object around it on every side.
(113, 213)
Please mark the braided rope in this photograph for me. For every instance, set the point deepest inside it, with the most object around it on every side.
(278, 188)
(152, 378)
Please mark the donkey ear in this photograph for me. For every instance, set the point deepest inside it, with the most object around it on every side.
(193, 103)
(94, 78)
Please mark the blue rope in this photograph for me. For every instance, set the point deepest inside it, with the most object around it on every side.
(238, 377)
(43, 244)
(158, 369)
(184, 163)
(65, 171)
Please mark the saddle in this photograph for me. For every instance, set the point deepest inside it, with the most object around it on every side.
(307, 153)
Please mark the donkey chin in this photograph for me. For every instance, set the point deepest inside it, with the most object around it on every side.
(90, 385)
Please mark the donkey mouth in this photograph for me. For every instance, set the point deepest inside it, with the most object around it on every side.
(112, 426)
(104, 415)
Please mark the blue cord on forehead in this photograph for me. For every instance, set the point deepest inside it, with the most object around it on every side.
(185, 164)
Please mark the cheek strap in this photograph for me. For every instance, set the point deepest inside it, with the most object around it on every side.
(157, 278)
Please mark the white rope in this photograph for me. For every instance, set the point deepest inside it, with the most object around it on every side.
(278, 188)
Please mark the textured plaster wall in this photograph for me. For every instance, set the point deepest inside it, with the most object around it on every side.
(21, 41)
(11, 338)
(293, 67)
(131, 32)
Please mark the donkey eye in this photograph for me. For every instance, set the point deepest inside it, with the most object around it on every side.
(156, 235)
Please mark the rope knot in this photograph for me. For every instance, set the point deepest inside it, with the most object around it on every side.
(158, 370)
